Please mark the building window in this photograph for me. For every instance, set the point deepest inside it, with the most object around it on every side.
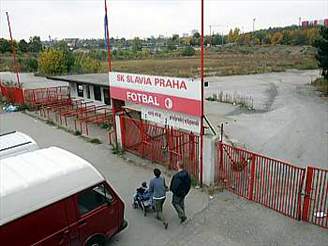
(97, 92)
(79, 90)
(106, 96)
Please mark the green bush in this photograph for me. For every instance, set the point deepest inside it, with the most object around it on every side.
(95, 141)
(24, 107)
(31, 65)
(188, 51)
(52, 62)
(85, 64)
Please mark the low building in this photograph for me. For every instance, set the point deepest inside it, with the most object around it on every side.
(93, 86)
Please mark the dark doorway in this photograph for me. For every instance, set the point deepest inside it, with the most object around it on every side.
(88, 91)
(97, 92)
(106, 96)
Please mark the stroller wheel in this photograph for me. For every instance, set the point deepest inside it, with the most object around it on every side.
(144, 209)
(134, 204)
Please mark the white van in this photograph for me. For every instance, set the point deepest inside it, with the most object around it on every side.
(14, 143)
(53, 197)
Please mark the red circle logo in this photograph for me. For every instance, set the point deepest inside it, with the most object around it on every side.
(168, 103)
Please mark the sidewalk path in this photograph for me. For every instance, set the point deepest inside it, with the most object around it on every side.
(233, 221)
(226, 220)
(124, 177)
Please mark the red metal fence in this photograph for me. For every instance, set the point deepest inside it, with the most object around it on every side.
(272, 183)
(12, 93)
(41, 96)
(161, 144)
(275, 184)
(315, 209)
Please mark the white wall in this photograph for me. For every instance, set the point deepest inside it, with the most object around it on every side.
(73, 89)
(92, 93)
(102, 94)
(118, 129)
(209, 159)
(85, 94)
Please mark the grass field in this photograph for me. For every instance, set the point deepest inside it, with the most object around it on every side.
(233, 60)
(227, 61)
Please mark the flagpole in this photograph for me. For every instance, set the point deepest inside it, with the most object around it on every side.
(202, 92)
(107, 39)
(109, 70)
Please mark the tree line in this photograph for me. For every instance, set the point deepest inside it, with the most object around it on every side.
(27, 53)
(60, 59)
(34, 57)
(292, 35)
(33, 46)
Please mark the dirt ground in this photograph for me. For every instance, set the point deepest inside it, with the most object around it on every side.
(224, 61)
(289, 121)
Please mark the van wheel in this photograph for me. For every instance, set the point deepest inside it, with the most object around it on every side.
(96, 241)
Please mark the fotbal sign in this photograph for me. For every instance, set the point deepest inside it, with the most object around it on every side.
(174, 94)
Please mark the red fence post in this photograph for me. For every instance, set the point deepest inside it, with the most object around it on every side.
(142, 133)
(86, 128)
(170, 147)
(251, 179)
(299, 201)
(123, 133)
(221, 160)
(307, 197)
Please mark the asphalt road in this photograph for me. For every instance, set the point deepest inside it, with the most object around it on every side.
(290, 121)
(124, 176)
(225, 220)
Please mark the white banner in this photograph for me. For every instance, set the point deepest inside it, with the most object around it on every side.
(171, 86)
(176, 120)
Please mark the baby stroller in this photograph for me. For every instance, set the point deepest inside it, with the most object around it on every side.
(142, 199)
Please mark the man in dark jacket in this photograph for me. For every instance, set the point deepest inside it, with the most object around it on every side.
(180, 186)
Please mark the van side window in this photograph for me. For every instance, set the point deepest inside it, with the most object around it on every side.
(93, 198)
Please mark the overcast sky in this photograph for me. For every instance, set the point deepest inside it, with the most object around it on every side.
(143, 18)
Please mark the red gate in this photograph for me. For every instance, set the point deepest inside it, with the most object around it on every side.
(13, 94)
(272, 183)
(315, 209)
(161, 144)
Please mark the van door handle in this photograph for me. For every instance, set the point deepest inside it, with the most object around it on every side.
(82, 222)
(63, 240)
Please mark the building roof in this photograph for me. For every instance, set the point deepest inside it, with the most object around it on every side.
(29, 81)
(15, 142)
(36, 179)
(88, 78)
